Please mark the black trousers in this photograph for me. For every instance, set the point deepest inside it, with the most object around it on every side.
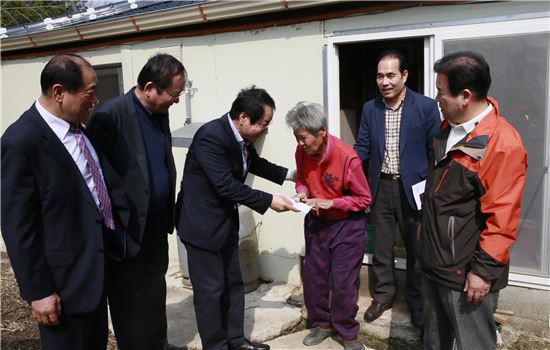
(218, 294)
(77, 332)
(392, 209)
(137, 292)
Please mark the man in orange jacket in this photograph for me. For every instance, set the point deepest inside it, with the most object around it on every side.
(471, 208)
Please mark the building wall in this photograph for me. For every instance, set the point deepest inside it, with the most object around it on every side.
(286, 61)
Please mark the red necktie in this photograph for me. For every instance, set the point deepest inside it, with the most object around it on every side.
(103, 196)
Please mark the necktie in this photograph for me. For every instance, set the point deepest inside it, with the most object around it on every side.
(245, 156)
(103, 196)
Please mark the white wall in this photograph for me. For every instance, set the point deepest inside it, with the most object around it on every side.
(286, 61)
(20, 87)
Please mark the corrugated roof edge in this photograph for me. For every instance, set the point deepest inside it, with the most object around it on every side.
(119, 9)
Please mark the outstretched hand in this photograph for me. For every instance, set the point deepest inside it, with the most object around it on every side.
(300, 196)
(319, 203)
(281, 203)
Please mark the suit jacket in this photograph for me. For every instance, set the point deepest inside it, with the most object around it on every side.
(115, 129)
(420, 121)
(213, 183)
(50, 223)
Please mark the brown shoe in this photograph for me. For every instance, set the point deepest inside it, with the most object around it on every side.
(376, 310)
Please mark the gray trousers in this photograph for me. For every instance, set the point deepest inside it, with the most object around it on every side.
(390, 210)
(448, 317)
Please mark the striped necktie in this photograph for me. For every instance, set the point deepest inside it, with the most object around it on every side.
(244, 145)
(103, 196)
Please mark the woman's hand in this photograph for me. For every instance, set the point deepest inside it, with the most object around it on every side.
(319, 203)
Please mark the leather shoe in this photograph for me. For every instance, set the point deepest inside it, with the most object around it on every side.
(250, 345)
(376, 310)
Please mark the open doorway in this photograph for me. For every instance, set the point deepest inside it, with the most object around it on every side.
(357, 73)
(358, 76)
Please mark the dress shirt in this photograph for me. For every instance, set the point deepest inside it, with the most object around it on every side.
(61, 128)
(459, 131)
(242, 143)
(289, 174)
(392, 124)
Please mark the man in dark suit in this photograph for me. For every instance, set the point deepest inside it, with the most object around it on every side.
(57, 217)
(218, 160)
(134, 134)
(395, 136)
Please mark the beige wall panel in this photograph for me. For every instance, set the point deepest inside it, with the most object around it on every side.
(20, 87)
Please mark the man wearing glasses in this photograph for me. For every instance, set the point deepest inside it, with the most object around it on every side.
(134, 134)
(217, 163)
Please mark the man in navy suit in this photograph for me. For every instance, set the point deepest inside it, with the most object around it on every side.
(218, 160)
(395, 136)
(134, 134)
(57, 218)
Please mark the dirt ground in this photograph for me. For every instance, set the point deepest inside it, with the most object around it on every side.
(18, 330)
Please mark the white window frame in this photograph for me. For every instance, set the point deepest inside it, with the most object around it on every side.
(433, 50)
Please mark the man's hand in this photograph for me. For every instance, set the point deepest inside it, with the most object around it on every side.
(47, 311)
(281, 203)
(319, 203)
(476, 288)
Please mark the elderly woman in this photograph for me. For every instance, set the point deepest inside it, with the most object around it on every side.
(330, 178)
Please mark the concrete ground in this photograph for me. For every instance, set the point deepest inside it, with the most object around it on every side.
(273, 314)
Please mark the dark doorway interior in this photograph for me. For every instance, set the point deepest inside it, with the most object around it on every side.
(358, 76)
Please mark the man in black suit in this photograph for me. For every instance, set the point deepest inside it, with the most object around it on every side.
(134, 134)
(57, 217)
(218, 160)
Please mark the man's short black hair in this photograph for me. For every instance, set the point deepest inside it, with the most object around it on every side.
(64, 69)
(251, 101)
(160, 69)
(394, 54)
(465, 70)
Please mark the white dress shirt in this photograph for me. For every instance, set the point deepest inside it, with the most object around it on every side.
(242, 143)
(61, 129)
(459, 131)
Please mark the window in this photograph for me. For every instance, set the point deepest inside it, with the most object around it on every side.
(519, 71)
(109, 82)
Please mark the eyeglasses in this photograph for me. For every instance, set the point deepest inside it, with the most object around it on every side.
(173, 95)
(265, 124)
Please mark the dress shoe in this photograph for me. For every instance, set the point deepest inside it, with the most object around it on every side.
(353, 345)
(375, 310)
(250, 345)
(316, 336)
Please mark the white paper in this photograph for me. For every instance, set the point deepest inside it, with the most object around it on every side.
(304, 208)
(418, 189)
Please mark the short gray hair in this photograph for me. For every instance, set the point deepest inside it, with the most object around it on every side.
(307, 115)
